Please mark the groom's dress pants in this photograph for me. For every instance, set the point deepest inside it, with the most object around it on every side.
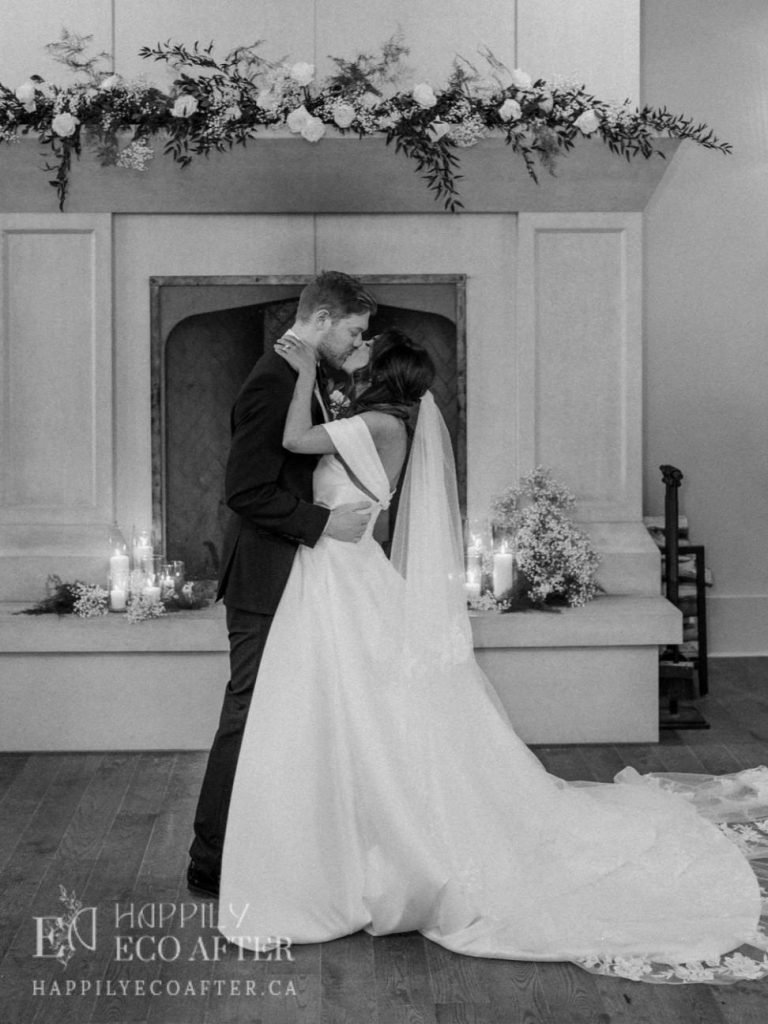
(248, 633)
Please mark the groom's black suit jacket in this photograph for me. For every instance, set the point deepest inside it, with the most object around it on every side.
(269, 489)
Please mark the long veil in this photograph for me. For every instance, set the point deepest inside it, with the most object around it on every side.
(427, 546)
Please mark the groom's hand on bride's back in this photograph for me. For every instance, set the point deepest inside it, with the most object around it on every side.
(348, 522)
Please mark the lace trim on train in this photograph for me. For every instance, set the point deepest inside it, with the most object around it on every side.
(747, 963)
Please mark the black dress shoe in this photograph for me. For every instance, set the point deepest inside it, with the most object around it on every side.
(202, 882)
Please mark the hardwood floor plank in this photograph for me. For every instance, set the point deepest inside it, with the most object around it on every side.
(455, 978)
(748, 754)
(269, 991)
(566, 762)
(516, 992)
(689, 1004)
(22, 799)
(403, 985)
(348, 976)
(604, 762)
(154, 899)
(743, 1003)
(110, 888)
(632, 1002)
(680, 759)
(717, 759)
(78, 808)
(571, 994)
(11, 765)
(642, 756)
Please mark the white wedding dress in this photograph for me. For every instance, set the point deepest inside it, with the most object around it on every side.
(380, 786)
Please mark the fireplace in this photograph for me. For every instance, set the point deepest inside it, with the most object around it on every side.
(534, 293)
(207, 332)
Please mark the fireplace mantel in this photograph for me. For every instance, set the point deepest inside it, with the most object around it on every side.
(339, 174)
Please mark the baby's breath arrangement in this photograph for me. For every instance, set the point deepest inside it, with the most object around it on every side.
(216, 104)
(141, 608)
(555, 558)
(91, 601)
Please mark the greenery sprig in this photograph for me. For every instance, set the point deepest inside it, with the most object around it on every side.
(216, 104)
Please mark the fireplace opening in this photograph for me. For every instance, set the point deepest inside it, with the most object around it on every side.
(207, 333)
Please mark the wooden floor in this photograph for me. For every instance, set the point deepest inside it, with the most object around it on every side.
(114, 829)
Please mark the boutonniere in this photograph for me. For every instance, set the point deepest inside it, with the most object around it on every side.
(338, 403)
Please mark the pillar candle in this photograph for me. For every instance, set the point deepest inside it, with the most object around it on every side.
(152, 594)
(503, 572)
(117, 599)
(118, 565)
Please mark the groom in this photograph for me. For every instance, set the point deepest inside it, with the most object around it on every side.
(270, 490)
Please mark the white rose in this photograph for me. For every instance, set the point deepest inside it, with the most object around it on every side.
(302, 72)
(438, 129)
(313, 130)
(510, 110)
(266, 100)
(185, 106)
(424, 95)
(521, 79)
(297, 119)
(587, 122)
(65, 124)
(344, 114)
(370, 100)
(26, 94)
(233, 113)
(109, 83)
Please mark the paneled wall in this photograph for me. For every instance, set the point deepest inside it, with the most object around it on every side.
(596, 41)
(56, 398)
(579, 359)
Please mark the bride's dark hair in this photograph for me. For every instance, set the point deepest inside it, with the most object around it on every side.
(400, 372)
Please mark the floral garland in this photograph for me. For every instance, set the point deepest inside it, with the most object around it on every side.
(214, 105)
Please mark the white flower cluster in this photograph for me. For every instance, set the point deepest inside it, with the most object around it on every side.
(555, 557)
(136, 155)
(141, 608)
(91, 601)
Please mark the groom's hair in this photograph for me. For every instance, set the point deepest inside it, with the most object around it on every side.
(339, 293)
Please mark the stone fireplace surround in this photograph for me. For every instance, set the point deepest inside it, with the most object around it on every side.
(554, 376)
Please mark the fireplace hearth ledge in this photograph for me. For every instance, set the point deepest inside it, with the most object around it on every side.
(576, 675)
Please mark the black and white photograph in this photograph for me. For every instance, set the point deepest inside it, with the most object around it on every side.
(383, 533)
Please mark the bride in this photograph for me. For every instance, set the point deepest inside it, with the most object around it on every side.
(380, 785)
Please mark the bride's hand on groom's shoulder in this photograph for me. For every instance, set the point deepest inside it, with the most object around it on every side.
(297, 354)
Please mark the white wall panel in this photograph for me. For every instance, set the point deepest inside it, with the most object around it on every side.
(57, 370)
(579, 350)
